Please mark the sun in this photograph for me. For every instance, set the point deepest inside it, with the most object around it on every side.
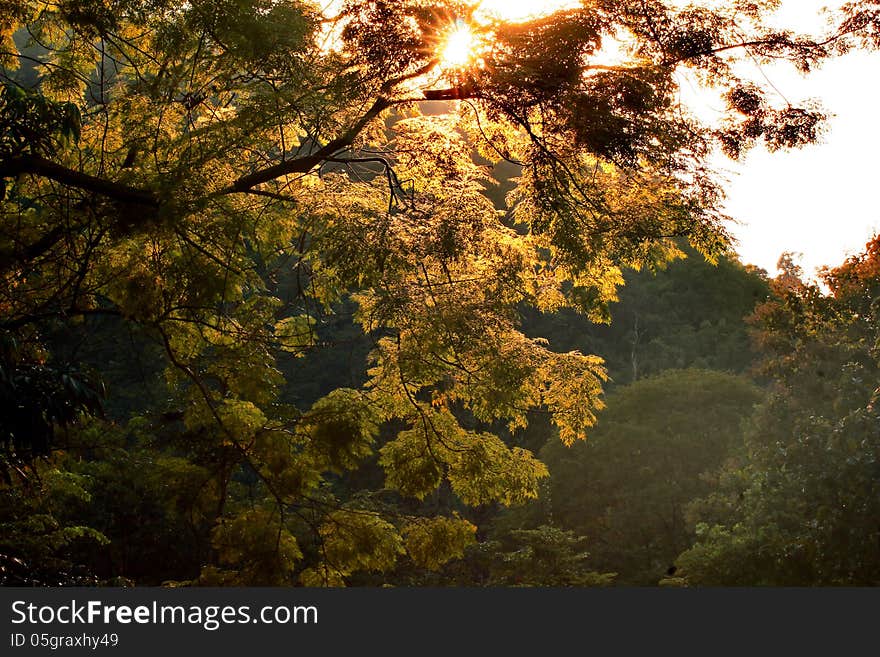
(459, 46)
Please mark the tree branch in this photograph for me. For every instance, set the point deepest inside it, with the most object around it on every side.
(40, 166)
(308, 162)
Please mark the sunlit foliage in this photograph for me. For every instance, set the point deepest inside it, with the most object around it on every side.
(221, 176)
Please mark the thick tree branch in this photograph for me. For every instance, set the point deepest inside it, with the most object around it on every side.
(40, 166)
(36, 165)
(453, 93)
(308, 162)
(67, 313)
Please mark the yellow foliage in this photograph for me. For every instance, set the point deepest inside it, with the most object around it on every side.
(352, 541)
(261, 550)
(432, 542)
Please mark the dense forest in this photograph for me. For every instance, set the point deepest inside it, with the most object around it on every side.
(293, 295)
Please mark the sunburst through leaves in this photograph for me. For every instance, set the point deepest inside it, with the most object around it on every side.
(459, 48)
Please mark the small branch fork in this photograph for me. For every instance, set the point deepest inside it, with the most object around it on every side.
(395, 185)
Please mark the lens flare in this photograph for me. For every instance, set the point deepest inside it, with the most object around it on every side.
(459, 46)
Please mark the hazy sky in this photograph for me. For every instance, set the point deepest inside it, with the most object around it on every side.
(821, 201)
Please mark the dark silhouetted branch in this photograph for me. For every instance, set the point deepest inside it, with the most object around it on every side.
(40, 166)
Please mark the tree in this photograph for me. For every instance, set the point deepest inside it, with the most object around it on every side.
(800, 507)
(223, 174)
(690, 314)
(543, 556)
(656, 448)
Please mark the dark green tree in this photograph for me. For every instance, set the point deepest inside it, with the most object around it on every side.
(800, 507)
(690, 313)
(657, 447)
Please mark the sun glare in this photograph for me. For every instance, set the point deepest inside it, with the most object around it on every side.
(458, 48)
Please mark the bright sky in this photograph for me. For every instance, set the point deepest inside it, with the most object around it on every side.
(821, 201)
(521, 9)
